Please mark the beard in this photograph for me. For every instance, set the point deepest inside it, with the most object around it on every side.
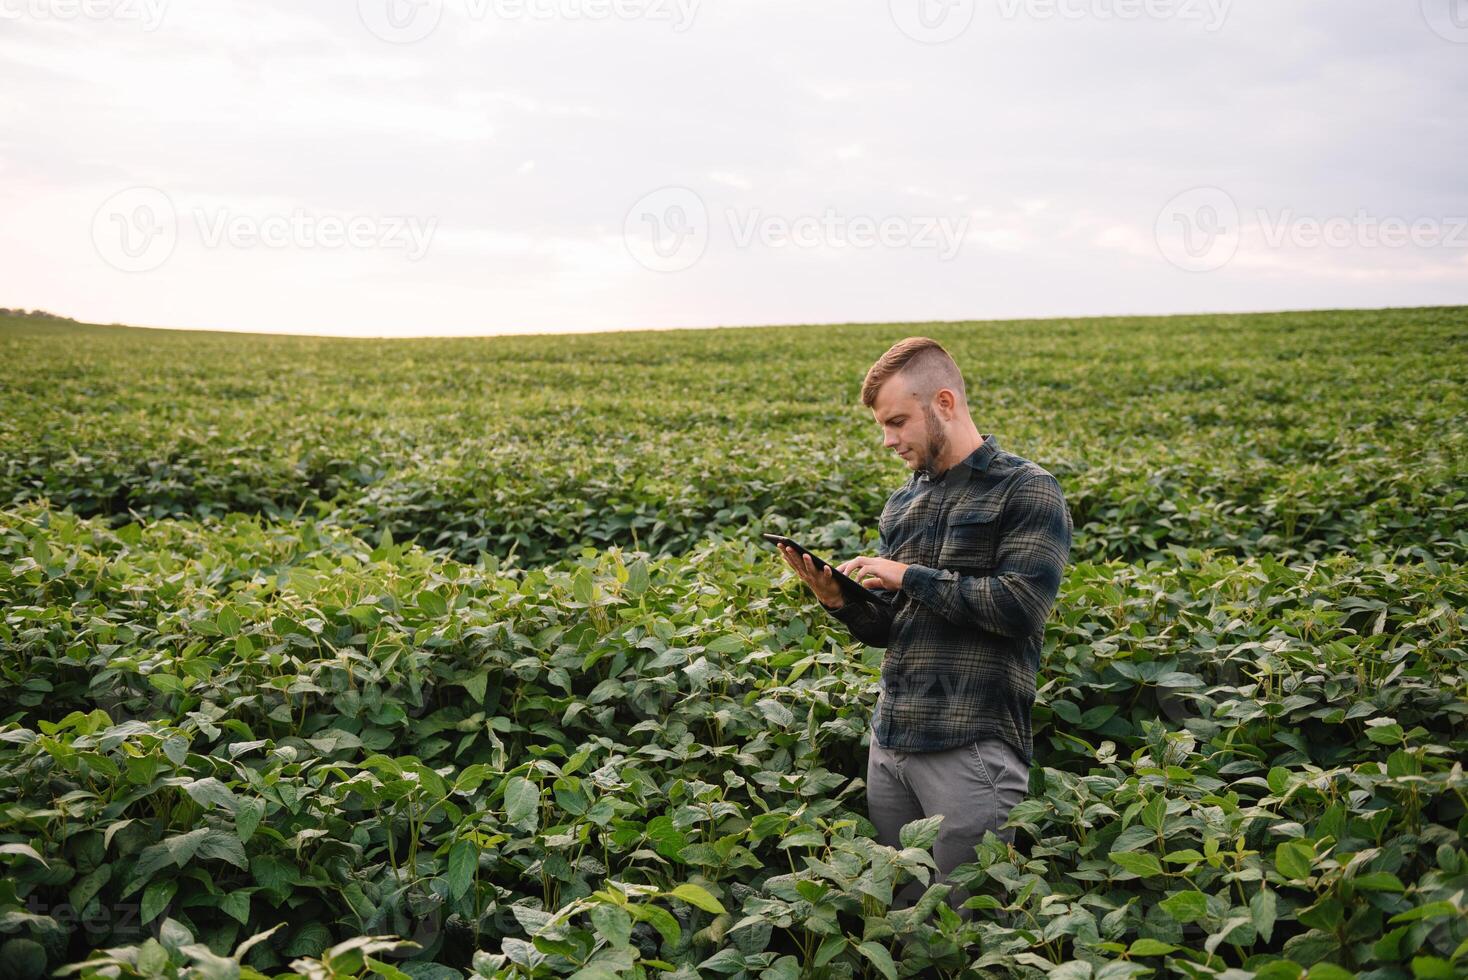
(937, 443)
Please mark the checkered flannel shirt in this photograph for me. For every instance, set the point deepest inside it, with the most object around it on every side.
(986, 543)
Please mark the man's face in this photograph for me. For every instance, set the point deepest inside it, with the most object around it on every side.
(910, 428)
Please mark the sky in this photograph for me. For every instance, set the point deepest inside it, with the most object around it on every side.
(443, 167)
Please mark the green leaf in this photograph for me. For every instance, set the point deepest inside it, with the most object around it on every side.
(274, 875)
(880, 958)
(227, 621)
(152, 958)
(921, 832)
(1432, 910)
(463, 861)
(1150, 947)
(1066, 710)
(726, 960)
(1378, 881)
(1188, 906)
(697, 896)
(612, 923)
(1145, 865)
(522, 803)
(1215, 939)
(637, 578)
(803, 837)
(432, 604)
(255, 940)
(174, 935)
(220, 846)
(181, 848)
(472, 778)
(247, 818)
(1262, 912)
(176, 750)
(728, 643)
(666, 839)
(156, 898)
(210, 792)
(23, 850)
(581, 586)
(236, 905)
(1329, 971)
(1154, 814)
(23, 959)
(476, 684)
(784, 968)
(1427, 968)
(87, 888)
(661, 919)
(310, 939)
(1389, 946)
(831, 948)
(112, 829)
(775, 712)
(385, 970)
(1294, 859)
(1385, 734)
(167, 683)
(1134, 837)
(812, 891)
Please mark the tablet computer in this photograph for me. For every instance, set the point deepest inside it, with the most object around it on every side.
(851, 590)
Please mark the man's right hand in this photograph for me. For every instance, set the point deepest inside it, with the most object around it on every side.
(822, 583)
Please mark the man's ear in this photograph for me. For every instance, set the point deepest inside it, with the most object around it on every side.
(946, 404)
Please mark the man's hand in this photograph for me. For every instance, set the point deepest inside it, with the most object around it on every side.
(875, 573)
(871, 573)
(822, 583)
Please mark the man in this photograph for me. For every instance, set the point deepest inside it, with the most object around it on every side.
(970, 554)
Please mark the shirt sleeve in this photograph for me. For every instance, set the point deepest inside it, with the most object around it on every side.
(1034, 545)
(869, 622)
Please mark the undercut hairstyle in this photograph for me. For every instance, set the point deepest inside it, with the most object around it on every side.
(923, 363)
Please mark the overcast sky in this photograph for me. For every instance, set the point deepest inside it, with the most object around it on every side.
(490, 166)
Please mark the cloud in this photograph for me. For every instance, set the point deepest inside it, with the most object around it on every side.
(526, 141)
(736, 181)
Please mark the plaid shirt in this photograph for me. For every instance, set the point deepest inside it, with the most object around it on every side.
(985, 543)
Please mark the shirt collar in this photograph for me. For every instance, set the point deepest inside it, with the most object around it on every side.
(980, 458)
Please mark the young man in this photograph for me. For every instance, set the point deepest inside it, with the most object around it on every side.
(970, 554)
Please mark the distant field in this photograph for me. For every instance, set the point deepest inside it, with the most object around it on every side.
(1291, 434)
(435, 638)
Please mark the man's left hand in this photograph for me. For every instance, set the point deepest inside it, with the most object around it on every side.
(875, 573)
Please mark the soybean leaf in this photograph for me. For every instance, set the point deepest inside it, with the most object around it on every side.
(697, 896)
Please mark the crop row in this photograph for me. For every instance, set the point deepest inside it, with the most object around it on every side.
(1253, 435)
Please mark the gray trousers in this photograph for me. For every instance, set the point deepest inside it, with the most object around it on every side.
(974, 787)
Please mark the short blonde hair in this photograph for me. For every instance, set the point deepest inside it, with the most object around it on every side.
(922, 357)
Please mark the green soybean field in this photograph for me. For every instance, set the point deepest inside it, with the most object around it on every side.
(464, 658)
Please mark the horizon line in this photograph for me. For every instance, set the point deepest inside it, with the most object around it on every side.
(46, 315)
